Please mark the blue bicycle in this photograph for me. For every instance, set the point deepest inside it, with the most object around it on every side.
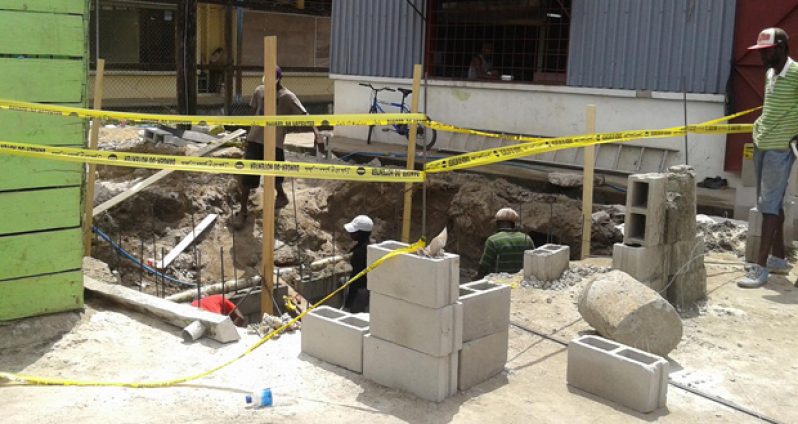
(401, 129)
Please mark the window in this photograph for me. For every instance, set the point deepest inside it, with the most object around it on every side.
(524, 39)
(133, 37)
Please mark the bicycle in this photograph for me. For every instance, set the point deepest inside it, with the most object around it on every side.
(401, 129)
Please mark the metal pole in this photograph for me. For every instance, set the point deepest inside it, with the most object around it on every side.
(684, 103)
(163, 273)
(141, 265)
(221, 265)
(233, 254)
(155, 263)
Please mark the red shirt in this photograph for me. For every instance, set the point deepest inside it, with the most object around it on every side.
(217, 304)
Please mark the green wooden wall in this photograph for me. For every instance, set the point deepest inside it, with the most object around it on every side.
(43, 58)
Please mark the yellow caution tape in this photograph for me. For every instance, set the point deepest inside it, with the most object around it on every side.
(276, 121)
(29, 379)
(213, 165)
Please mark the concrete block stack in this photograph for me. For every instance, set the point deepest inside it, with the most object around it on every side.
(547, 262)
(335, 336)
(622, 374)
(416, 323)
(661, 248)
(486, 321)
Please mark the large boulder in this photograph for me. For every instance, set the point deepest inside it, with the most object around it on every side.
(623, 309)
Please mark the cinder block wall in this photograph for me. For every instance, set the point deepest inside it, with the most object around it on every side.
(43, 58)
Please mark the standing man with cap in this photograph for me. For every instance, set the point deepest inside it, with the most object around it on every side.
(287, 104)
(357, 296)
(504, 251)
(773, 159)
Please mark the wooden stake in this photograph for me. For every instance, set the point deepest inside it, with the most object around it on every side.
(269, 145)
(94, 134)
(411, 154)
(587, 182)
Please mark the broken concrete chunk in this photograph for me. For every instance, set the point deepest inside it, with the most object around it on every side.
(622, 309)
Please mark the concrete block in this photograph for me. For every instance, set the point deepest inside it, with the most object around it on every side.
(645, 264)
(752, 248)
(486, 309)
(754, 222)
(335, 336)
(748, 173)
(686, 256)
(645, 210)
(481, 359)
(680, 215)
(547, 262)
(622, 374)
(433, 378)
(687, 288)
(218, 327)
(436, 332)
(430, 282)
(744, 200)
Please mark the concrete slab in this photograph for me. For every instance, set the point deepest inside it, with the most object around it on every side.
(217, 327)
(335, 336)
(622, 374)
(486, 309)
(481, 359)
(433, 378)
(547, 262)
(429, 282)
(436, 332)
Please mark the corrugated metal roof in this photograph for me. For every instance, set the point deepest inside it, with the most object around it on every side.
(651, 44)
(375, 37)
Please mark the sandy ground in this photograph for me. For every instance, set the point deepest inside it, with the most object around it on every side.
(740, 345)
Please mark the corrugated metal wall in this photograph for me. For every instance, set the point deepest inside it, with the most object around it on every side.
(651, 44)
(375, 37)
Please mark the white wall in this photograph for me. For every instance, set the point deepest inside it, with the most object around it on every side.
(550, 111)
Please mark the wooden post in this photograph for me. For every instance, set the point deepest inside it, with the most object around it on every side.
(269, 141)
(587, 182)
(411, 154)
(186, 41)
(88, 194)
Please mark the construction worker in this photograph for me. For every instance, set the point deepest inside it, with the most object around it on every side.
(773, 159)
(357, 297)
(504, 251)
(287, 104)
(218, 304)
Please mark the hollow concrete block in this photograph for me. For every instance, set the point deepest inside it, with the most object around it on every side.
(335, 336)
(433, 378)
(754, 222)
(645, 210)
(622, 374)
(482, 358)
(430, 282)
(644, 264)
(486, 309)
(547, 262)
(752, 244)
(435, 332)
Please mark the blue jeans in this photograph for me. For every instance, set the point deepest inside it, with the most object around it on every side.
(772, 175)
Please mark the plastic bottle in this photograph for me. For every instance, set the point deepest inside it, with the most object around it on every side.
(259, 399)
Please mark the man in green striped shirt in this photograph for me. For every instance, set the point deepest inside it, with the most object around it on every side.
(504, 251)
(773, 159)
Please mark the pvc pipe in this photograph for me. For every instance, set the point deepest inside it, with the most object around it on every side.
(193, 331)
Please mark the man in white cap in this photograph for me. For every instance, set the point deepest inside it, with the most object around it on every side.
(357, 297)
(773, 159)
(504, 251)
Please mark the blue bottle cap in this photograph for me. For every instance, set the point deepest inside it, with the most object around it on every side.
(248, 399)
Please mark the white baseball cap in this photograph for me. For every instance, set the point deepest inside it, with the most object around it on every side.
(360, 223)
(769, 37)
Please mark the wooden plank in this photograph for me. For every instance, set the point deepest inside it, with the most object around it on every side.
(32, 254)
(36, 210)
(46, 80)
(18, 173)
(269, 140)
(55, 6)
(121, 197)
(587, 182)
(36, 128)
(411, 155)
(45, 294)
(186, 242)
(42, 34)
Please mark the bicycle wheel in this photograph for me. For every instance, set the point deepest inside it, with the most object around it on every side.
(371, 127)
(420, 139)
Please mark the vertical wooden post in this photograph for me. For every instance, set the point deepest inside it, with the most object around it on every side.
(269, 145)
(587, 182)
(411, 154)
(88, 194)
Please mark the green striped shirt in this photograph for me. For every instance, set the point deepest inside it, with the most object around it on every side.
(779, 120)
(504, 252)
